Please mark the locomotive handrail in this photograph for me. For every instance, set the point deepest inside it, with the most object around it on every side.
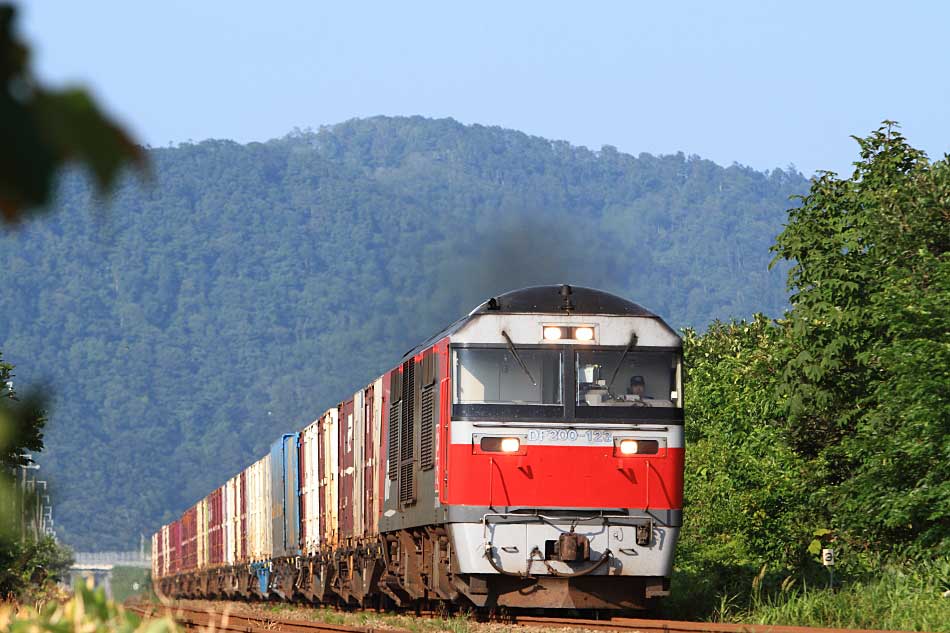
(490, 556)
(603, 559)
(545, 517)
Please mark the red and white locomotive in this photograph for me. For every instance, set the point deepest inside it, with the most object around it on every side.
(529, 455)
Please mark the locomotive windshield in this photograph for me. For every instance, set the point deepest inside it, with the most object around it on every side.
(495, 376)
(635, 379)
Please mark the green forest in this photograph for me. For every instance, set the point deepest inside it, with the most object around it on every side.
(239, 290)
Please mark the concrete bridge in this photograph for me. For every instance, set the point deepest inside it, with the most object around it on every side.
(98, 567)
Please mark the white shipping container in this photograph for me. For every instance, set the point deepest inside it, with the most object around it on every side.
(377, 462)
(259, 526)
(230, 534)
(201, 529)
(310, 488)
(166, 555)
(329, 479)
(155, 572)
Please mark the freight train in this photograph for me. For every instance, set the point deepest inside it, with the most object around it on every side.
(530, 455)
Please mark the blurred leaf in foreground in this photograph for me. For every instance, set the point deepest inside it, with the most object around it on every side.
(41, 130)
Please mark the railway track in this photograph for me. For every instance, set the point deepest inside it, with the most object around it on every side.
(225, 621)
(228, 620)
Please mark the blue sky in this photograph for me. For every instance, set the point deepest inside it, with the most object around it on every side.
(763, 84)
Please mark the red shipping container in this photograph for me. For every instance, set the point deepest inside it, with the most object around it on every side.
(189, 540)
(345, 433)
(216, 528)
(175, 547)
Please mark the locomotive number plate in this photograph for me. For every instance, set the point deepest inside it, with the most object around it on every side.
(542, 436)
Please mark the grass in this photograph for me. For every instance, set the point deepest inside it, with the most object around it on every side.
(897, 599)
(87, 611)
(904, 597)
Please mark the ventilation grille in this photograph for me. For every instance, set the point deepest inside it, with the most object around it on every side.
(394, 415)
(426, 429)
(408, 410)
(430, 368)
(407, 438)
(407, 492)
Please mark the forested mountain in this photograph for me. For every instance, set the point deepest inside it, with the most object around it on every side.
(185, 323)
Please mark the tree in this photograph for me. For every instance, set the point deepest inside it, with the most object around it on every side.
(867, 389)
(41, 130)
(746, 491)
(21, 422)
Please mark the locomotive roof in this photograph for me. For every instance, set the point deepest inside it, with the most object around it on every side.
(560, 298)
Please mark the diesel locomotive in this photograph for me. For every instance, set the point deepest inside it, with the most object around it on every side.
(530, 455)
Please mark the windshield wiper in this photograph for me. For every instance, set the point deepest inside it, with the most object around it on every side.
(514, 352)
(630, 346)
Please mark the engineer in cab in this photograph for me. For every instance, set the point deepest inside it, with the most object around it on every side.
(636, 395)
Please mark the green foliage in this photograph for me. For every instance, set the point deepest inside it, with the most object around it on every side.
(868, 384)
(41, 130)
(21, 422)
(255, 285)
(87, 611)
(831, 426)
(27, 566)
(745, 490)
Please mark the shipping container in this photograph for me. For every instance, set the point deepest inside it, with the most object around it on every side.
(166, 551)
(371, 459)
(359, 458)
(227, 528)
(201, 522)
(232, 520)
(156, 557)
(216, 528)
(346, 497)
(242, 538)
(310, 487)
(329, 467)
(175, 548)
(188, 559)
(259, 522)
(284, 493)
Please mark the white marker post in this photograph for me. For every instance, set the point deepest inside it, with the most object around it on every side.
(828, 560)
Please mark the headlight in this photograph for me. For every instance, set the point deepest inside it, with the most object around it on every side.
(552, 333)
(584, 333)
(628, 447)
(500, 444)
(510, 445)
(625, 447)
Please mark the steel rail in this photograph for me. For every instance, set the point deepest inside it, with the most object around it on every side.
(226, 621)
